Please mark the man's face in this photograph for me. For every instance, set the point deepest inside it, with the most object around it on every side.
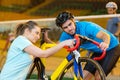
(69, 27)
(111, 11)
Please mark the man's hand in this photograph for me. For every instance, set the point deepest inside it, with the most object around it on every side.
(104, 45)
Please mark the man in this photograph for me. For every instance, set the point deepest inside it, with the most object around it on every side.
(113, 24)
(107, 41)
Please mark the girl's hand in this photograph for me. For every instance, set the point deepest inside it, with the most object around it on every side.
(69, 42)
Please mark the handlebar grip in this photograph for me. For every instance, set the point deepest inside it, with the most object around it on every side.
(103, 52)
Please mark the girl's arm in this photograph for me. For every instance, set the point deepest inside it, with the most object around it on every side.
(37, 52)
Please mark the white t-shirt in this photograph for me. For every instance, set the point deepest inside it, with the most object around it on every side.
(18, 62)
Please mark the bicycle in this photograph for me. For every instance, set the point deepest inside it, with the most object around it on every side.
(72, 60)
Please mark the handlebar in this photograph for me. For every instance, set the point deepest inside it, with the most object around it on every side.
(103, 52)
(78, 37)
(76, 46)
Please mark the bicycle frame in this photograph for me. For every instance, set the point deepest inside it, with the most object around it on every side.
(60, 68)
(57, 72)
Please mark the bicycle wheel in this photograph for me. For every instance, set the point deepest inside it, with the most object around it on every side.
(68, 70)
(39, 67)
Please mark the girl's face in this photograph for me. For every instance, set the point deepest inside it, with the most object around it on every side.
(69, 27)
(34, 34)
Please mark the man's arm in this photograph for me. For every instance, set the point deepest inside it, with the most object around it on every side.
(106, 39)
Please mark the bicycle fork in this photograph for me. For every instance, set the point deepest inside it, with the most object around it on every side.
(77, 66)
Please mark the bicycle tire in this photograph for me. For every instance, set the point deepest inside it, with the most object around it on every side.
(40, 69)
(83, 59)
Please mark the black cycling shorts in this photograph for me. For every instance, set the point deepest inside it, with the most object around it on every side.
(107, 63)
